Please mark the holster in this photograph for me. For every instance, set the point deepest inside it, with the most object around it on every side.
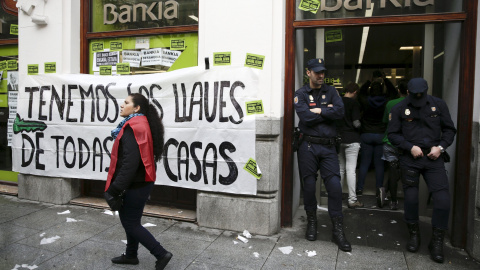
(446, 157)
(297, 139)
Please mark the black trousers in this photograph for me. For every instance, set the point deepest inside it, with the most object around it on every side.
(131, 215)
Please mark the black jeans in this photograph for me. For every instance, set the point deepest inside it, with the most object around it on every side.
(131, 215)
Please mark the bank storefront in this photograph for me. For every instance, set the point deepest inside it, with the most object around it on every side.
(401, 39)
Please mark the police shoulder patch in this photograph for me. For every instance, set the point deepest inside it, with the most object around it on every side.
(390, 117)
(295, 100)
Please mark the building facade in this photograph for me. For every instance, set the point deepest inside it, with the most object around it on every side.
(433, 39)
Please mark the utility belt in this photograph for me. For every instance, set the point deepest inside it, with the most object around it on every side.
(320, 140)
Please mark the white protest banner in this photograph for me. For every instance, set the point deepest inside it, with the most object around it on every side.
(63, 125)
(132, 57)
(152, 57)
(169, 57)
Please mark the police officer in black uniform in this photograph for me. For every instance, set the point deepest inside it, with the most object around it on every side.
(318, 105)
(421, 126)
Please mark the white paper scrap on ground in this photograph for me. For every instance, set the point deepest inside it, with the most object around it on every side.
(25, 266)
(286, 250)
(71, 220)
(250, 247)
(41, 235)
(108, 212)
(124, 241)
(311, 253)
(393, 221)
(247, 234)
(380, 234)
(235, 242)
(359, 237)
(50, 240)
(256, 254)
(322, 208)
(64, 212)
(243, 239)
(149, 225)
(324, 226)
(300, 255)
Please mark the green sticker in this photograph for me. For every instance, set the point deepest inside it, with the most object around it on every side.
(222, 59)
(309, 5)
(97, 46)
(116, 45)
(105, 70)
(3, 101)
(333, 36)
(12, 65)
(3, 65)
(177, 44)
(51, 67)
(254, 107)
(33, 69)
(251, 167)
(123, 68)
(14, 29)
(254, 61)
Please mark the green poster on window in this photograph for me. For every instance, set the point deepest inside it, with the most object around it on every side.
(106, 70)
(33, 69)
(254, 61)
(222, 59)
(333, 36)
(51, 67)
(12, 65)
(14, 29)
(116, 45)
(97, 46)
(309, 5)
(177, 44)
(123, 68)
(3, 65)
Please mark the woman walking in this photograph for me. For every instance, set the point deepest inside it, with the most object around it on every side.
(138, 146)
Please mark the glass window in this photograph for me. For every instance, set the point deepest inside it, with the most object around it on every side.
(352, 54)
(114, 15)
(329, 9)
(143, 55)
(8, 24)
(8, 106)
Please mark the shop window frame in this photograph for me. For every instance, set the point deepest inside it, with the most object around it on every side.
(86, 35)
(468, 18)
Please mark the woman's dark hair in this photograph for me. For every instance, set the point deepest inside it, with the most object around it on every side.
(155, 122)
(351, 87)
(376, 89)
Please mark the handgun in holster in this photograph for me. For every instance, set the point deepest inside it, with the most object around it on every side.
(297, 139)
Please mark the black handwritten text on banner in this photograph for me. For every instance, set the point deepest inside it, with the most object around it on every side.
(64, 124)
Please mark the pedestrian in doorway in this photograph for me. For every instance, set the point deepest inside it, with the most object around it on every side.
(137, 147)
(390, 152)
(318, 105)
(421, 127)
(349, 132)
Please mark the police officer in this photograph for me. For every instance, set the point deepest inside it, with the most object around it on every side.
(318, 105)
(421, 126)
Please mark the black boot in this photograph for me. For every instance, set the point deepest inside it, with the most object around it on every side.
(436, 245)
(311, 233)
(414, 241)
(123, 259)
(162, 262)
(338, 235)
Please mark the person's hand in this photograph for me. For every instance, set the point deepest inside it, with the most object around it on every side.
(330, 105)
(416, 152)
(316, 110)
(434, 153)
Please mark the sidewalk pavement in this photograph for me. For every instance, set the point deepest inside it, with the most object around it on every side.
(37, 235)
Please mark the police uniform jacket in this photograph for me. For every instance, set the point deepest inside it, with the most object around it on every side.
(313, 124)
(425, 127)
